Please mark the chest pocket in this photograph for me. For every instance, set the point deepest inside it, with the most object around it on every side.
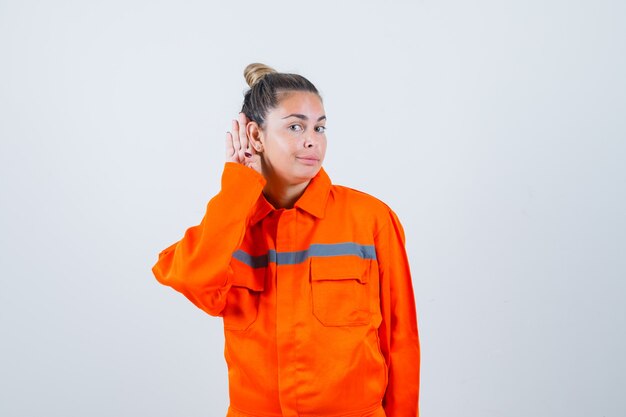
(340, 290)
(242, 300)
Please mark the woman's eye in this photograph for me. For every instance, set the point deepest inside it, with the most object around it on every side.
(295, 128)
(320, 129)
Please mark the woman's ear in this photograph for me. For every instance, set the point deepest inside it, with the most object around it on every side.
(255, 136)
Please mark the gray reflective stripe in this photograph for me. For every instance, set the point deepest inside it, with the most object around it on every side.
(318, 249)
(253, 261)
(339, 249)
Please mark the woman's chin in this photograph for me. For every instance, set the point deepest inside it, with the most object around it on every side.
(297, 174)
(309, 171)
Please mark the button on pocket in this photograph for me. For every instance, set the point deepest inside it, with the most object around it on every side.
(242, 300)
(340, 290)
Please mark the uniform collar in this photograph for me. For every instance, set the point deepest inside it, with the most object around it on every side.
(313, 200)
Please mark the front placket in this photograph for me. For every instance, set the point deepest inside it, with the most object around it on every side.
(288, 322)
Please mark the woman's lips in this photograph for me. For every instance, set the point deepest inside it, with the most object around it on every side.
(308, 160)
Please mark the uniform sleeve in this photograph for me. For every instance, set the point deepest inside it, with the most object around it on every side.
(398, 331)
(198, 264)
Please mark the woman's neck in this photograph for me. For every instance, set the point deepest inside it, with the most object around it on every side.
(282, 195)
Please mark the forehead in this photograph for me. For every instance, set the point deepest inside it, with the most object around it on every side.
(301, 102)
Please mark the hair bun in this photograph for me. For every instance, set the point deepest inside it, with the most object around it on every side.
(254, 72)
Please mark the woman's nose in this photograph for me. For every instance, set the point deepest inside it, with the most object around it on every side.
(309, 141)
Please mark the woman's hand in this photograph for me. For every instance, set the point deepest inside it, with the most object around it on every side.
(238, 147)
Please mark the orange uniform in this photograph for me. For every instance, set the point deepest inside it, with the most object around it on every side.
(317, 300)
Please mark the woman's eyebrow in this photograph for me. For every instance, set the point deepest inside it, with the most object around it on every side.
(303, 117)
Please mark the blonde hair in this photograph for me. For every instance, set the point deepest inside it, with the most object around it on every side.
(254, 72)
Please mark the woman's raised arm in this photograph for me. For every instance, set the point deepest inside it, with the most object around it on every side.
(198, 264)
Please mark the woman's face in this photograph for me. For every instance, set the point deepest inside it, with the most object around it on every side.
(294, 138)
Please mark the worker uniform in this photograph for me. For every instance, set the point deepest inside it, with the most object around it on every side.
(317, 300)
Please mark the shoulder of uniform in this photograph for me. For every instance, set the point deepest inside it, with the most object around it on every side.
(363, 208)
(358, 198)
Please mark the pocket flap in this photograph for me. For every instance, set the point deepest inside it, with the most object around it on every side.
(247, 276)
(334, 268)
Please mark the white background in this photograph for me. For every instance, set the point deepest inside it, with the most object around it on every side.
(495, 129)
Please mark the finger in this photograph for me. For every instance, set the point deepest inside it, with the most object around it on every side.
(250, 151)
(235, 135)
(230, 149)
(243, 135)
(254, 162)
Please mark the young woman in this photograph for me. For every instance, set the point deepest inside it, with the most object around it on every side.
(311, 278)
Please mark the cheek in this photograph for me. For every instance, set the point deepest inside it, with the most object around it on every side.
(288, 144)
(279, 148)
(323, 144)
